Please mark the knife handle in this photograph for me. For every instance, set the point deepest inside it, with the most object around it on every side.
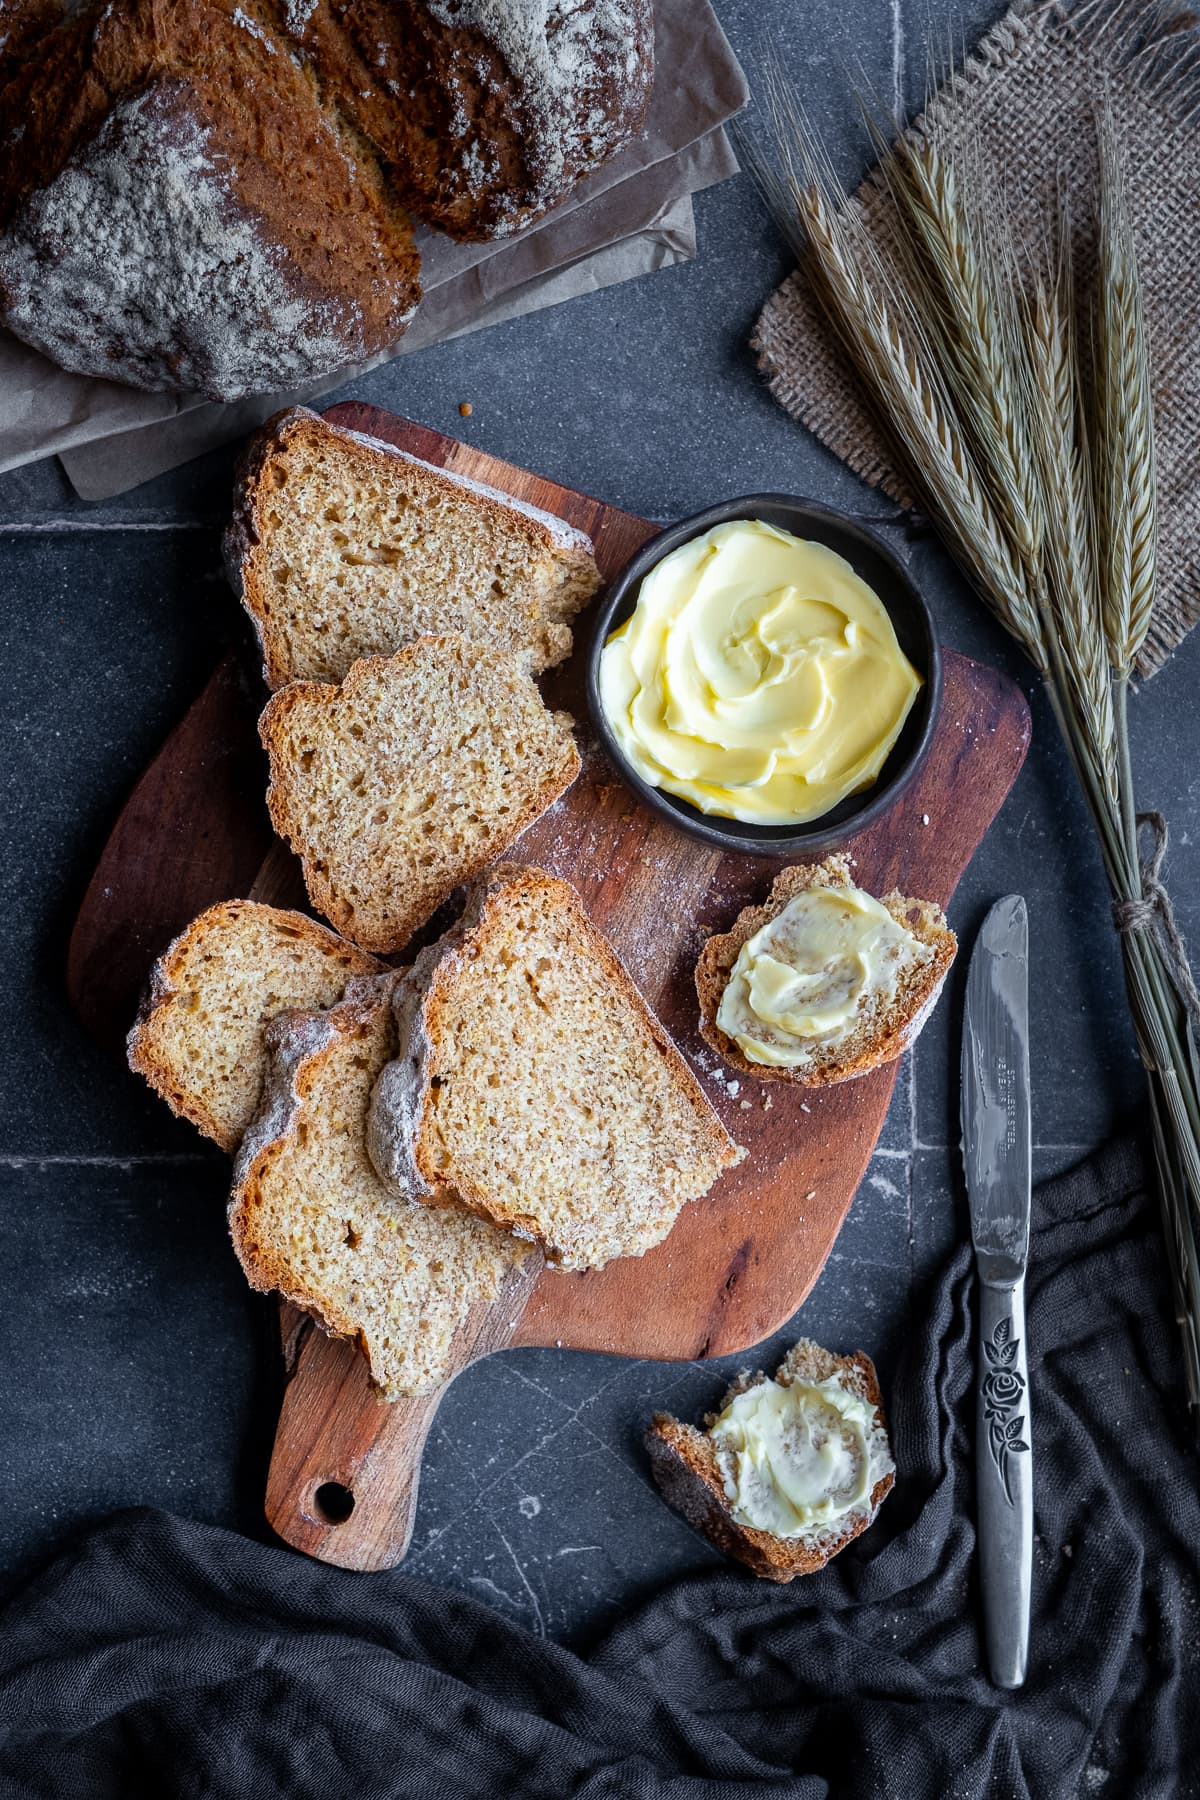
(1004, 1481)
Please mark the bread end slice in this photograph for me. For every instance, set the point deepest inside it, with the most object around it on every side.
(198, 1036)
(342, 546)
(683, 1461)
(534, 1086)
(871, 1045)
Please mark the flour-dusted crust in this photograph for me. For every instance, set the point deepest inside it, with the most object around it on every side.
(555, 568)
(401, 1137)
(904, 1022)
(204, 1063)
(506, 103)
(683, 1462)
(214, 195)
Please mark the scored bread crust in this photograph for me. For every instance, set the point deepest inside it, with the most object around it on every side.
(147, 1048)
(285, 798)
(683, 1461)
(400, 1137)
(923, 918)
(261, 478)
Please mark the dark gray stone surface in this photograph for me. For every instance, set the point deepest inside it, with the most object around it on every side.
(137, 1368)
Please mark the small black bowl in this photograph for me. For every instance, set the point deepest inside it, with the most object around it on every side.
(875, 563)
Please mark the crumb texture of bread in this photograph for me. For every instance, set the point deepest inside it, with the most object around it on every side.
(409, 779)
(310, 1219)
(198, 1038)
(884, 1030)
(534, 1086)
(344, 547)
(683, 1461)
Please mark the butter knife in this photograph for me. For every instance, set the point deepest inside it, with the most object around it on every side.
(996, 1158)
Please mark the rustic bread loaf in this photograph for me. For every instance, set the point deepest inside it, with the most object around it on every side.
(534, 1086)
(310, 1219)
(343, 547)
(179, 209)
(683, 1461)
(409, 778)
(883, 1032)
(506, 102)
(213, 195)
(198, 1039)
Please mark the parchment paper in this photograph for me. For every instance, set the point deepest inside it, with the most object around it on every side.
(698, 86)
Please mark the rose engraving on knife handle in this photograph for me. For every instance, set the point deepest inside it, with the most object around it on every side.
(1002, 1395)
(1004, 1478)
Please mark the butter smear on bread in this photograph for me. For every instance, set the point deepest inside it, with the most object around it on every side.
(806, 979)
(800, 1457)
(758, 677)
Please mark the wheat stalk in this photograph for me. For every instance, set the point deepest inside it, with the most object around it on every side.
(1061, 459)
(868, 319)
(1126, 483)
(979, 335)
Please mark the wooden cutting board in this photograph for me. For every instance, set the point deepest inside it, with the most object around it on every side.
(343, 1479)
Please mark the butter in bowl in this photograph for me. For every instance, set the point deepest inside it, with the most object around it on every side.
(767, 675)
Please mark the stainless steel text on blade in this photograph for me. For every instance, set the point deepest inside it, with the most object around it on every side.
(995, 1091)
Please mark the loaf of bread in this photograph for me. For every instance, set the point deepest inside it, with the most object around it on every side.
(198, 1039)
(409, 778)
(310, 1219)
(684, 1462)
(343, 547)
(883, 1030)
(214, 195)
(534, 1086)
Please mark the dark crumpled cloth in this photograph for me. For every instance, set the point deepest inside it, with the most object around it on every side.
(162, 1657)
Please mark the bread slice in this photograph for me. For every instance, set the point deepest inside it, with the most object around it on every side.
(409, 778)
(882, 1035)
(342, 547)
(310, 1219)
(683, 1460)
(534, 1086)
(198, 1036)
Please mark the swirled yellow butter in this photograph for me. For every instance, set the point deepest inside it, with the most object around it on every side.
(797, 1459)
(830, 962)
(758, 677)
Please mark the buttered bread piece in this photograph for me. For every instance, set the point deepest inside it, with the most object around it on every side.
(824, 982)
(789, 1471)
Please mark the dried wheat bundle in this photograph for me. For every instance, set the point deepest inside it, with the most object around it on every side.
(1019, 406)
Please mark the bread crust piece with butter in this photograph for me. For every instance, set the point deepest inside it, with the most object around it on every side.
(884, 1035)
(683, 1460)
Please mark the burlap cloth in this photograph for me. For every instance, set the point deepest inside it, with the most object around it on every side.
(1027, 96)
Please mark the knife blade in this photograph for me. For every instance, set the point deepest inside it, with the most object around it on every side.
(996, 1144)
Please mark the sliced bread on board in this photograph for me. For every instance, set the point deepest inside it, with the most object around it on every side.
(883, 1032)
(198, 1036)
(409, 778)
(533, 1085)
(683, 1460)
(342, 546)
(310, 1219)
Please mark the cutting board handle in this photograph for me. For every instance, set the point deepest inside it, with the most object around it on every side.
(346, 1466)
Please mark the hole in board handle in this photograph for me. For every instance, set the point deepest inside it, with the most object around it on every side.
(333, 1503)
